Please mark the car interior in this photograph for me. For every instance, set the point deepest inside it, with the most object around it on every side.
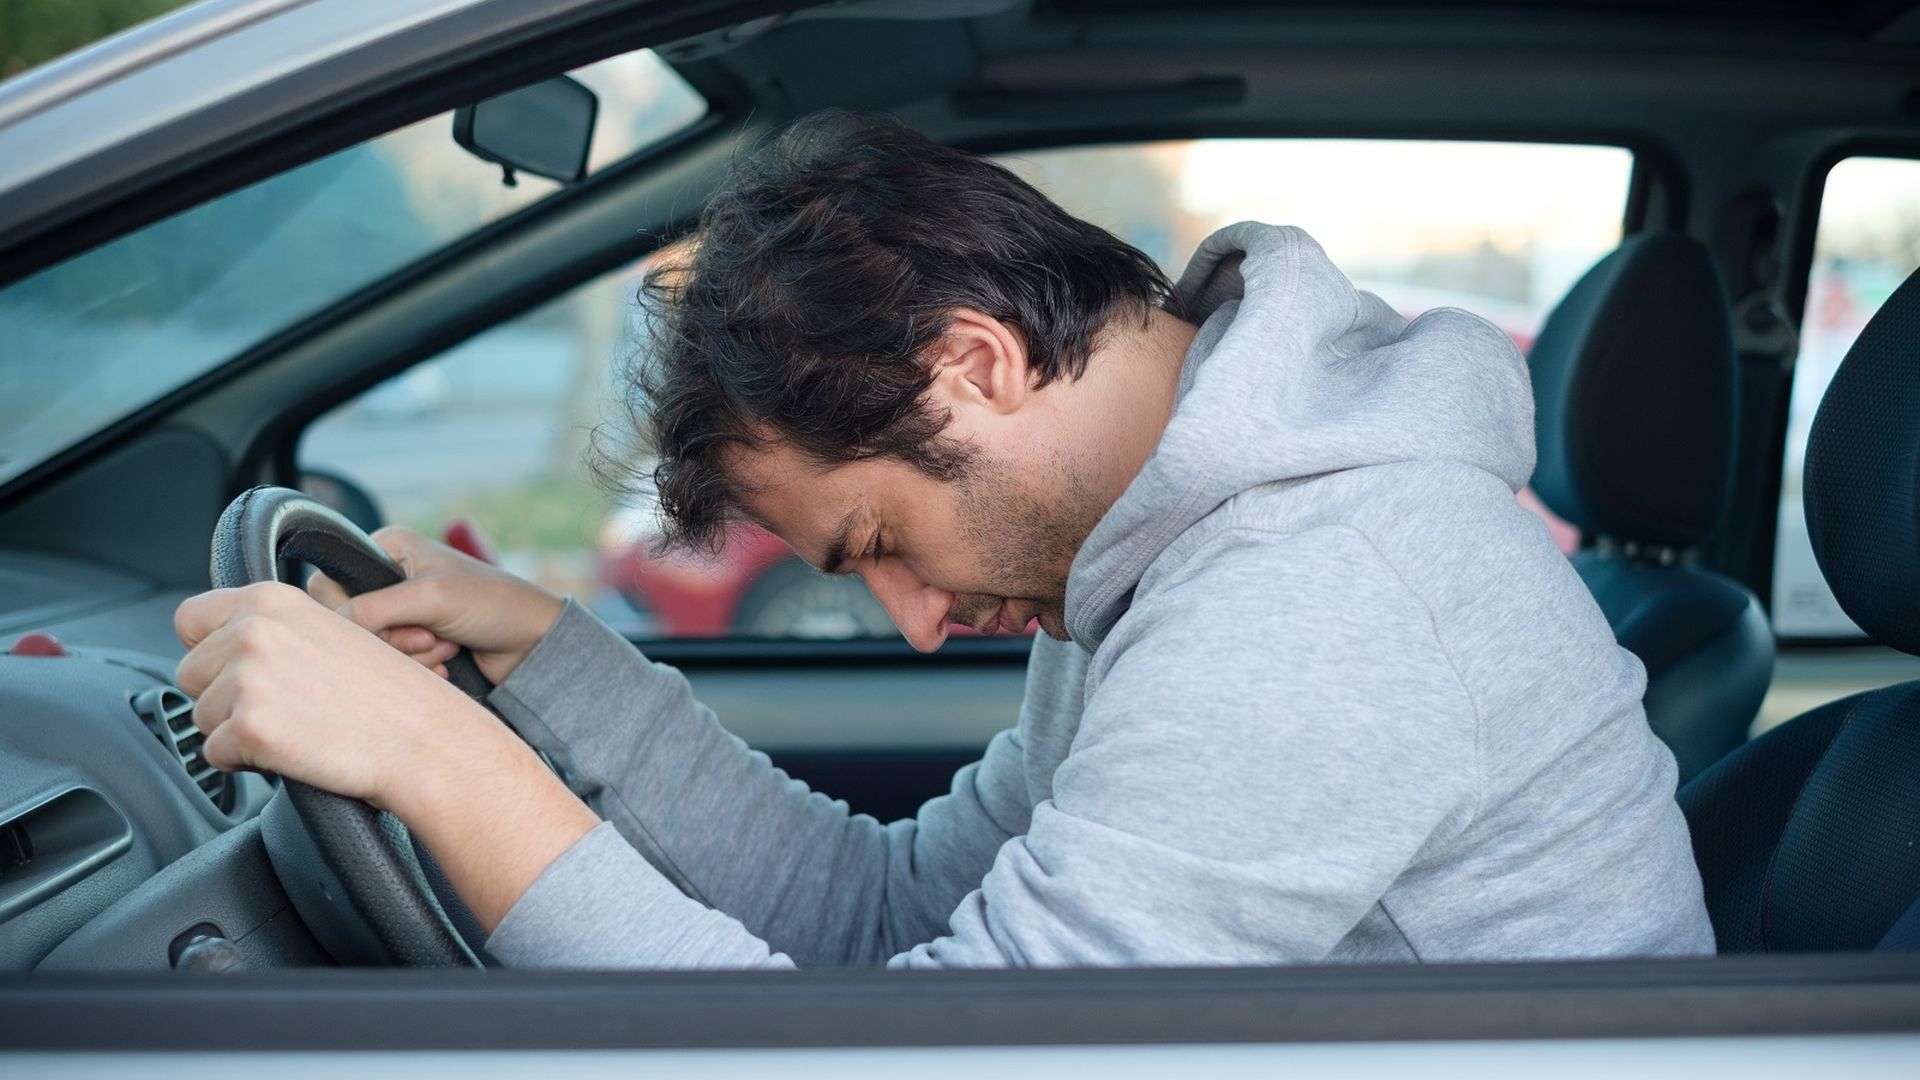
(421, 281)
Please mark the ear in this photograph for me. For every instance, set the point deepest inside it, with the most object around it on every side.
(981, 361)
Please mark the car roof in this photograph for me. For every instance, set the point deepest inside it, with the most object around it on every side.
(96, 137)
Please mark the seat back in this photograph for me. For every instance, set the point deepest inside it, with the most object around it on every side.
(1635, 418)
(1809, 837)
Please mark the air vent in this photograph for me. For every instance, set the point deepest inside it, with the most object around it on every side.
(168, 713)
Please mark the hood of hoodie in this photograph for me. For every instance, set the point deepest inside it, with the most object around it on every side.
(1296, 374)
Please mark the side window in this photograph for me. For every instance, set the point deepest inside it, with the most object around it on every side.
(1865, 244)
(1500, 229)
(495, 431)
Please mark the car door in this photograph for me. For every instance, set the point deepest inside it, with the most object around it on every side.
(338, 82)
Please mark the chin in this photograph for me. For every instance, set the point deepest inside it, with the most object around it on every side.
(1053, 626)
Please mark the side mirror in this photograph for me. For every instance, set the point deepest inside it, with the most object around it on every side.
(544, 129)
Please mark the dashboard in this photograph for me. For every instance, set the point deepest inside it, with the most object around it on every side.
(117, 844)
(116, 837)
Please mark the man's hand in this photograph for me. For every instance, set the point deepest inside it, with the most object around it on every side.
(448, 600)
(284, 685)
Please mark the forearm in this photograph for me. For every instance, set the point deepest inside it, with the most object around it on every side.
(494, 817)
(726, 827)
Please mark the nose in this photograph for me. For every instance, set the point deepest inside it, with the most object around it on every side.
(917, 608)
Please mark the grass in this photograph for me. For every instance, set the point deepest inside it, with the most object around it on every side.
(550, 515)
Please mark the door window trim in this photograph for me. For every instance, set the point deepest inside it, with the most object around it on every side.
(1705, 997)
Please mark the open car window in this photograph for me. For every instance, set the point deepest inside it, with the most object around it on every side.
(1865, 244)
(95, 338)
(494, 431)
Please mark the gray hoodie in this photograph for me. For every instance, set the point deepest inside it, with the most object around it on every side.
(1332, 695)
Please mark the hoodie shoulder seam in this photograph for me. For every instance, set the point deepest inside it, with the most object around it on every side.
(1473, 703)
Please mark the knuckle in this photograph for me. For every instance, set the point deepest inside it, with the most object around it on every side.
(265, 595)
(245, 729)
(434, 591)
(398, 540)
(255, 636)
(216, 751)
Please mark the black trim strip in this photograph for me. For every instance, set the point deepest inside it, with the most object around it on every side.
(426, 1010)
(764, 653)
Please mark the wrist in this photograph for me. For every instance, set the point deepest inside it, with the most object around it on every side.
(544, 612)
(493, 815)
(535, 615)
(450, 757)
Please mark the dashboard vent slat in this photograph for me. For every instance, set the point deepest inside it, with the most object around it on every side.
(168, 714)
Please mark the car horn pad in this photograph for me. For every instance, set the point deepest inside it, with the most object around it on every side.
(327, 848)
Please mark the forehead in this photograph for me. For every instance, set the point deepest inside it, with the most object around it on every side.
(800, 500)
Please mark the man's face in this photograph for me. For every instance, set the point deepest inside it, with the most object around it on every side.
(989, 550)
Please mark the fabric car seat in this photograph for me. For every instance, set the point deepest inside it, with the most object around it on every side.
(1635, 419)
(1808, 837)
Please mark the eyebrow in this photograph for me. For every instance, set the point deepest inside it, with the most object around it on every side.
(837, 547)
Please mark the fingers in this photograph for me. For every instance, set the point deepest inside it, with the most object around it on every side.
(423, 603)
(436, 656)
(396, 613)
(248, 634)
(412, 640)
(326, 590)
(212, 707)
(406, 546)
(203, 663)
(403, 545)
(234, 740)
(200, 615)
(213, 674)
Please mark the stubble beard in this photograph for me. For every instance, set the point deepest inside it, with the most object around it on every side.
(1026, 538)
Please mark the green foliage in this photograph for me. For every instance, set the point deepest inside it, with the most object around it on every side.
(554, 514)
(33, 32)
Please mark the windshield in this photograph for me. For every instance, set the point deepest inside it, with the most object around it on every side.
(88, 341)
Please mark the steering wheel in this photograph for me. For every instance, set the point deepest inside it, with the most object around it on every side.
(368, 891)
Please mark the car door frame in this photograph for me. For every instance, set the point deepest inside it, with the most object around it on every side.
(489, 45)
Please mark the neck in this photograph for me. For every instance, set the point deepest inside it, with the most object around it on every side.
(1122, 404)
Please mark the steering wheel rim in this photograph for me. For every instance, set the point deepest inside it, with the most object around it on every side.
(354, 873)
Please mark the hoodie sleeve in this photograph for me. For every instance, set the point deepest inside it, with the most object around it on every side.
(1275, 736)
(696, 820)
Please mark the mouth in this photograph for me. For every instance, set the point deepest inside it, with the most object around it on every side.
(1010, 622)
(1006, 617)
(982, 622)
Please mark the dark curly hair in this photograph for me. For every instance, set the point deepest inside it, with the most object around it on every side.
(805, 305)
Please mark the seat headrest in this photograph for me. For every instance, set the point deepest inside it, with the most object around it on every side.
(1863, 467)
(1635, 396)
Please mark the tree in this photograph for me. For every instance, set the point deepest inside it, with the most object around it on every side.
(33, 32)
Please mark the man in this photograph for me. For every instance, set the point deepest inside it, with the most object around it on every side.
(1313, 685)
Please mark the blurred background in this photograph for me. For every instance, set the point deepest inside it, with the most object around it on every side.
(495, 431)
